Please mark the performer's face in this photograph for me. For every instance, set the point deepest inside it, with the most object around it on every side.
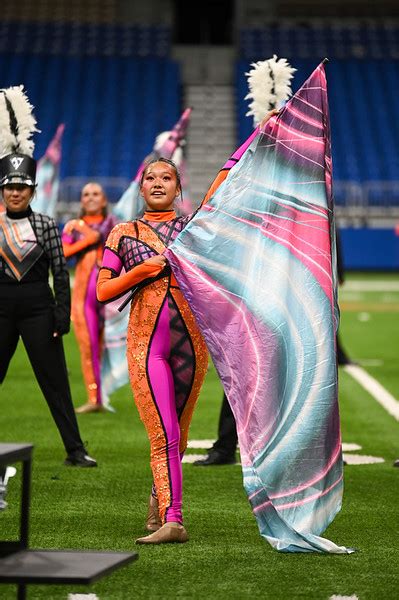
(159, 186)
(17, 196)
(93, 199)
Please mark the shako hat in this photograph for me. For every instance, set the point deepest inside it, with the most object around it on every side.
(17, 125)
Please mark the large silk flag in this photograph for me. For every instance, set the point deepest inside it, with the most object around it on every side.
(257, 265)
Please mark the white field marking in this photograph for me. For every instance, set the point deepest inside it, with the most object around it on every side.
(363, 285)
(338, 597)
(361, 459)
(200, 444)
(373, 387)
(350, 447)
(83, 597)
(190, 458)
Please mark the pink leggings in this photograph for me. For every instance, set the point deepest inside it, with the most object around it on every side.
(162, 384)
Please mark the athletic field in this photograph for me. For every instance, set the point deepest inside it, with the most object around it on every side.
(105, 508)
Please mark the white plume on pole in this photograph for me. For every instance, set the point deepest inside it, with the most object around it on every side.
(16, 129)
(269, 86)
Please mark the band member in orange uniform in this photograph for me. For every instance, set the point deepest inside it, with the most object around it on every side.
(84, 238)
(166, 354)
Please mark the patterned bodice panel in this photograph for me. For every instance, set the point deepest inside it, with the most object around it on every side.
(47, 238)
(169, 230)
(161, 234)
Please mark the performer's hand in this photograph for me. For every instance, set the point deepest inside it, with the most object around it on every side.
(159, 260)
(70, 226)
(92, 236)
(82, 227)
(268, 116)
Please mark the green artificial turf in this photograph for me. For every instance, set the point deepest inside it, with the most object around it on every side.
(105, 508)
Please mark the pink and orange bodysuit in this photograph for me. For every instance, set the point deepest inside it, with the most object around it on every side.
(166, 354)
(167, 357)
(84, 238)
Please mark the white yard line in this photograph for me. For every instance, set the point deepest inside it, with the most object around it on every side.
(83, 597)
(350, 447)
(375, 389)
(361, 459)
(200, 444)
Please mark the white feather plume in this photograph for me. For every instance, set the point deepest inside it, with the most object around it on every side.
(269, 86)
(16, 139)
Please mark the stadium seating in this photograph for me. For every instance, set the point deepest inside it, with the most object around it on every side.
(338, 40)
(85, 39)
(364, 123)
(115, 87)
(112, 106)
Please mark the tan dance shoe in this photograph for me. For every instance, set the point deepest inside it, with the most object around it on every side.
(169, 533)
(89, 408)
(153, 522)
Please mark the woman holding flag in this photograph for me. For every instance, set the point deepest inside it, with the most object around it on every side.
(166, 354)
(256, 266)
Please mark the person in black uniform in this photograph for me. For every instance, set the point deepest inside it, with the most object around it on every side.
(30, 245)
(342, 357)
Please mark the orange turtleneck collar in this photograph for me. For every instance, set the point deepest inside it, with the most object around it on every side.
(159, 215)
(93, 219)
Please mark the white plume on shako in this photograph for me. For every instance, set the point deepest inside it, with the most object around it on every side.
(17, 123)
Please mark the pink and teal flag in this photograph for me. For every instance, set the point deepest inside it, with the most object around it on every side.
(257, 266)
(48, 177)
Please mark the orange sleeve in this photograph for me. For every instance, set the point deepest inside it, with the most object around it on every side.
(90, 237)
(71, 249)
(109, 287)
(220, 177)
(234, 158)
